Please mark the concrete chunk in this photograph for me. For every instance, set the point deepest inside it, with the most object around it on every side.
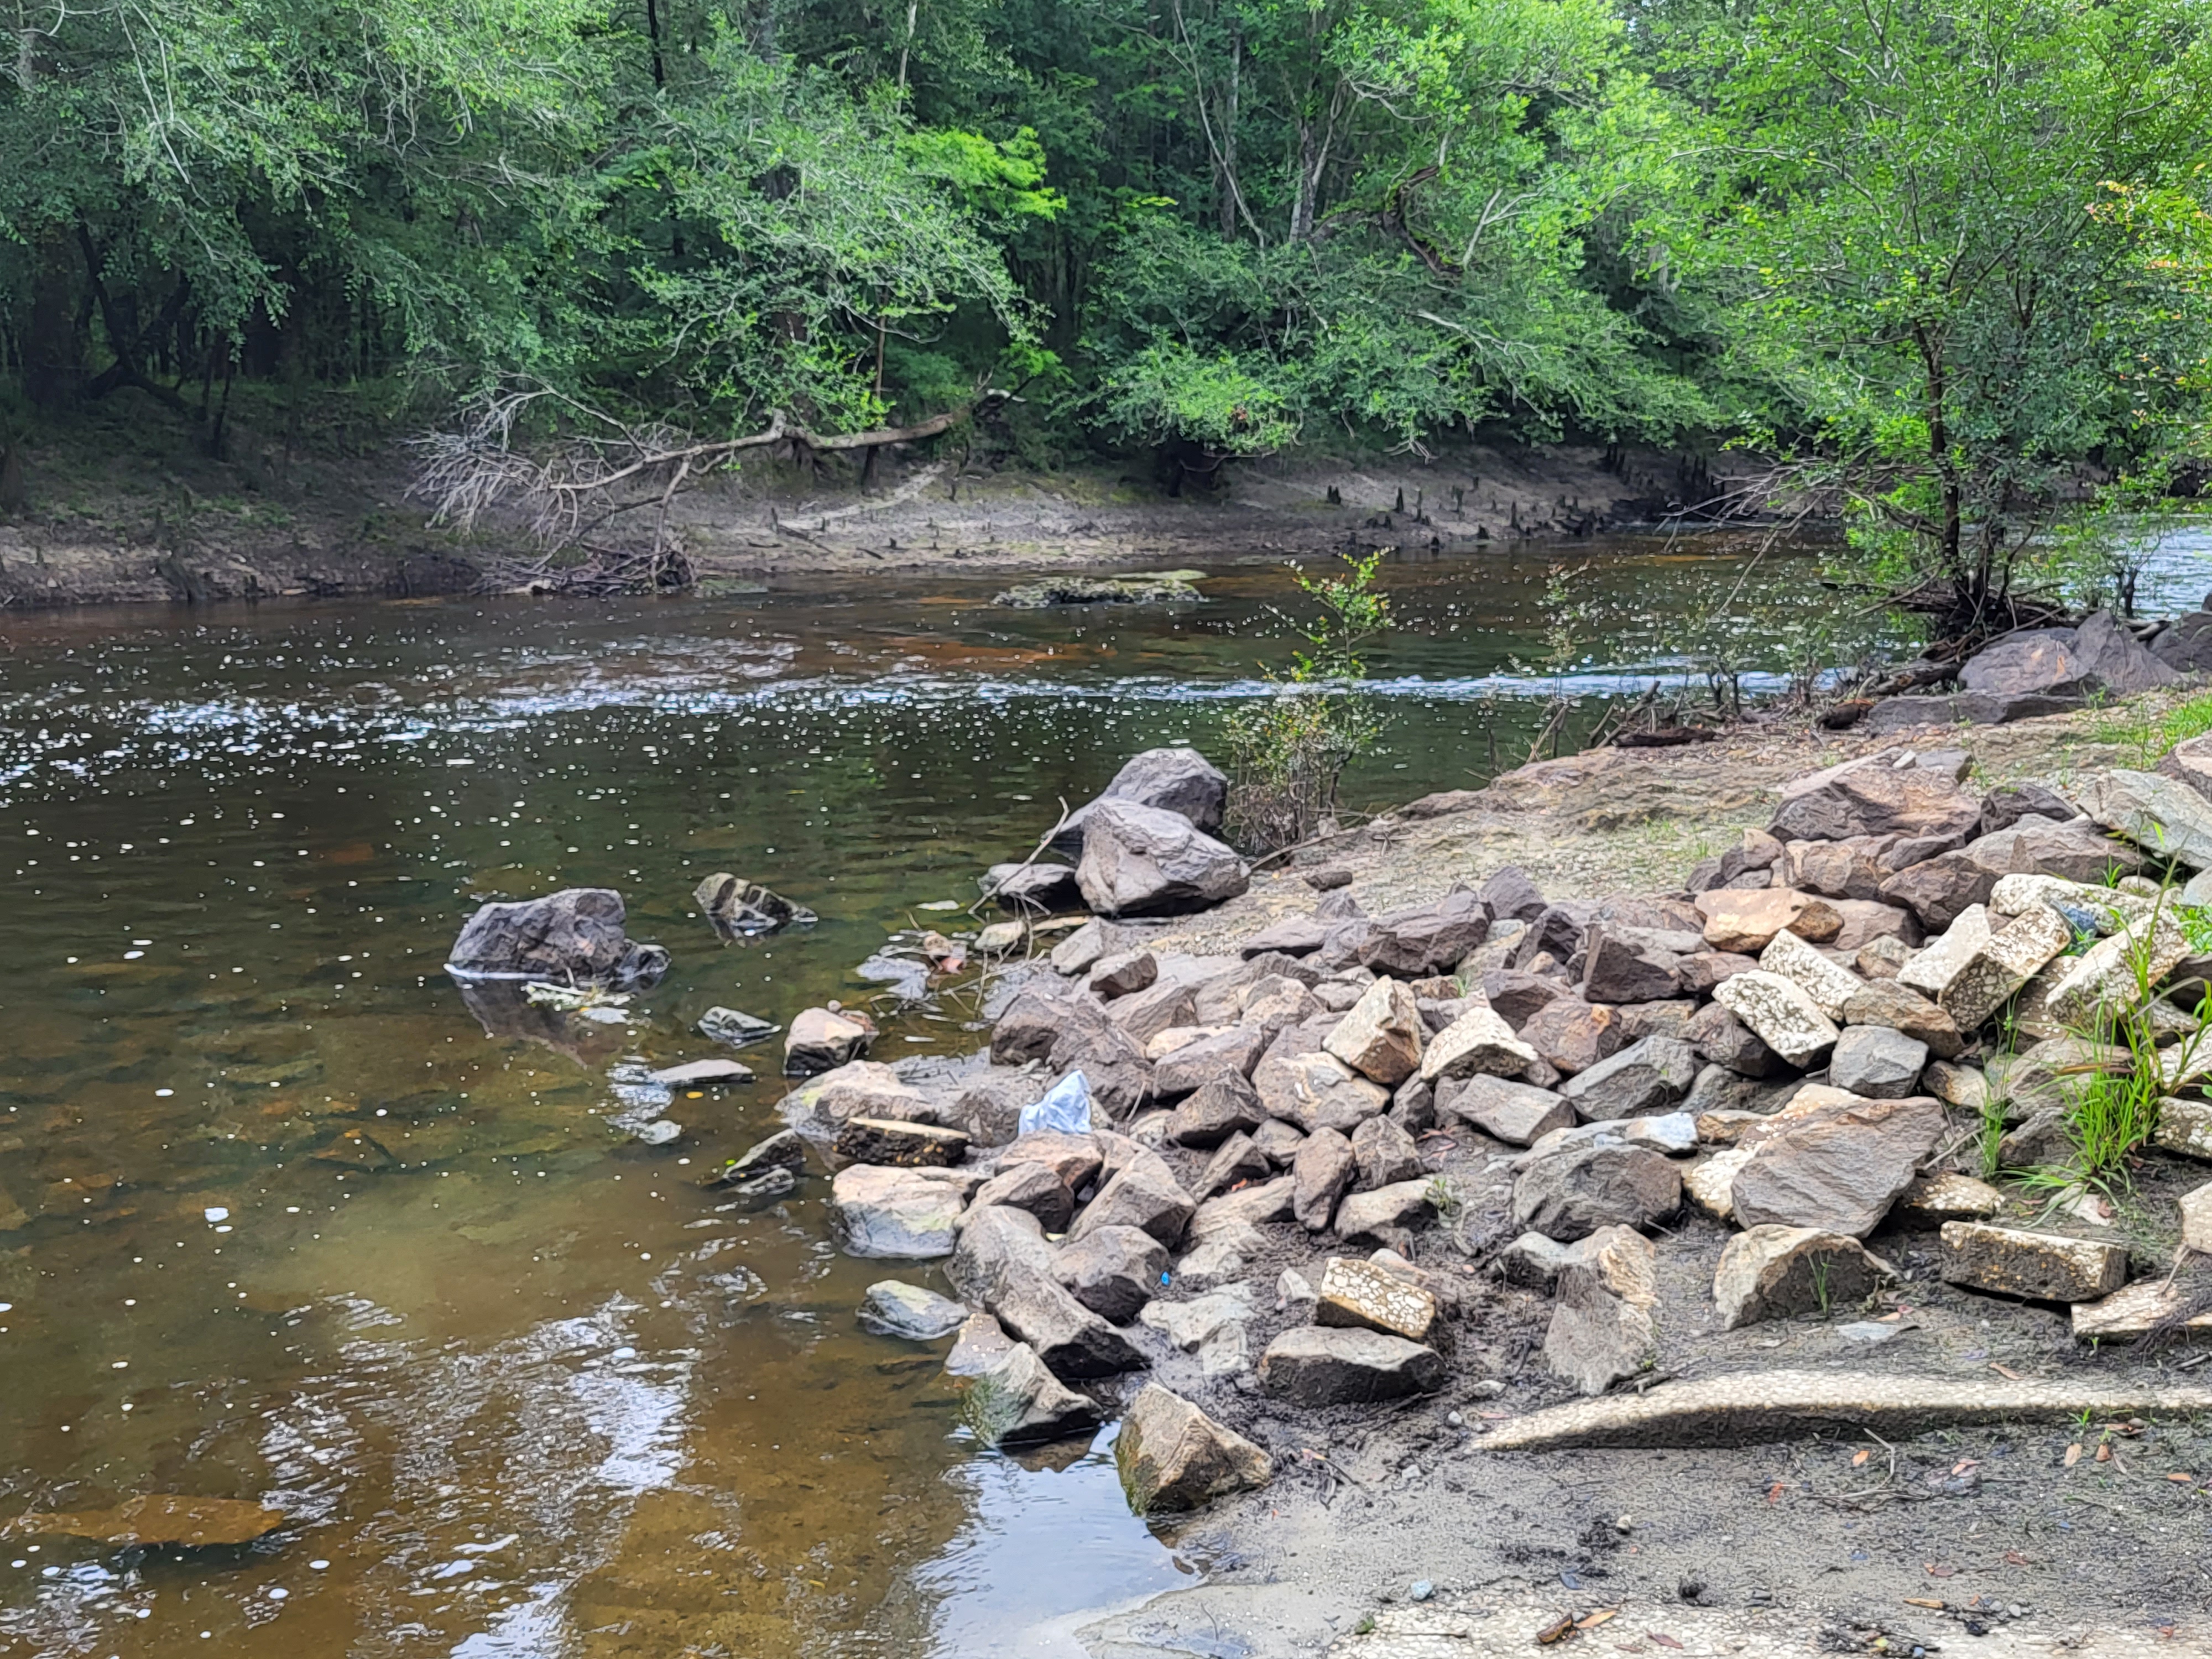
(1478, 1042)
(2134, 1311)
(2039, 1267)
(1780, 1014)
(1355, 1293)
(1931, 970)
(2002, 962)
(2113, 973)
(1829, 984)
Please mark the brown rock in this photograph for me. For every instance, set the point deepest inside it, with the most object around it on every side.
(1220, 1057)
(908, 1145)
(1886, 1002)
(1572, 1036)
(1772, 1273)
(1866, 920)
(1076, 1159)
(1831, 1161)
(1122, 974)
(1508, 1111)
(1320, 1365)
(1143, 1194)
(1381, 1036)
(1740, 921)
(1237, 1160)
(1386, 1216)
(1703, 970)
(1114, 1271)
(1628, 965)
(1639, 1020)
(1031, 1187)
(1429, 939)
(1571, 1193)
(1602, 1328)
(1516, 995)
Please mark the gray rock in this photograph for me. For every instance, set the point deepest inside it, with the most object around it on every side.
(1602, 1330)
(1877, 1063)
(1144, 1194)
(902, 1214)
(1719, 1090)
(1279, 1142)
(1122, 974)
(2109, 654)
(2003, 808)
(1018, 1401)
(989, 1107)
(2186, 645)
(1213, 1326)
(1895, 715)
(1385, 1153)
(1571, 1194)
(1218, 1057)
(982, 1344)
(1078, 1160)
(1237, 1160)
(1139, 860)
(1429, 939)
(1388, 1215)
(1113, 1270)
(1886, 1002)
(2156, 812)
(736, 1029)
(1318, 1366)
(1628, 965)
(1031, 1187)
(1004, 1262)
(1414, 1107)
(1081, 950)
(1511, 1112)
(783, 1150)
(1516, 995)
(895, 1308)
(1773, 1273)
(1173, 1457)
(1227, 1105)
(1178, 781)
(1316, 1092)
(1873, 796)
(1644, 1077)
(700, 1074)
(1509, 894)
(1323, 1171)
(1719, 1037)
(571, 937)
(823, 1039)
(1031, 889)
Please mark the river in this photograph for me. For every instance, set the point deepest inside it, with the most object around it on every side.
(280, 1220)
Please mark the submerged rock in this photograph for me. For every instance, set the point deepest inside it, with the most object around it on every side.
(734, 1028)
(739, 906)
(163, 1518)
(575, 934)
(1169, 587)
(893, 1308)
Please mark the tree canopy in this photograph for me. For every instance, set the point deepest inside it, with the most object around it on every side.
(1944, 262)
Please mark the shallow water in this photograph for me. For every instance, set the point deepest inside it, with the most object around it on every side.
(280, 1220)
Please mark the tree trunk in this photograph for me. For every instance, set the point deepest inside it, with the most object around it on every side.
(53, 350)
(1227, 206)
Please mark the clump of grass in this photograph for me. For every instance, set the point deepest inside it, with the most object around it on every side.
(2151, 735)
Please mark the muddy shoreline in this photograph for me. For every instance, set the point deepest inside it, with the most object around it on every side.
(133, 514)
(1825, 1543)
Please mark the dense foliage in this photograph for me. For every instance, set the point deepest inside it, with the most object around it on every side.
(1947, 262)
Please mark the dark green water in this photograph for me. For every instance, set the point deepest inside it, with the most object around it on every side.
(280, 1220)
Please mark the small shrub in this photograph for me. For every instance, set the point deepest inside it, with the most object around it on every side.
(1288, 751)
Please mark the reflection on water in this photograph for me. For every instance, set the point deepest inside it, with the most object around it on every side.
(281, 1217)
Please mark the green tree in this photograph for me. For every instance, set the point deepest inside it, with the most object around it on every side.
(1944, 322)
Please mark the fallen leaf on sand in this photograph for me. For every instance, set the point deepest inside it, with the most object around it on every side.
(2007, 1372)
(1923, 1601)
(2072, 1453)
(1597, 1618)
(2015, 1559)
(1558, 1631)
(1859, 1458)
(1664, 1641)
(1940, 1569)
(2104, 1453)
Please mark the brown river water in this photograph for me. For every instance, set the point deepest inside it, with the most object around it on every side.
(281, 1219)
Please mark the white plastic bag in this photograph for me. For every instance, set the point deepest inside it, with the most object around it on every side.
(1065, 1109)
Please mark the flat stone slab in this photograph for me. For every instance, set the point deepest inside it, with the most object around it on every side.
(1767, 1406)
(2040, 1267)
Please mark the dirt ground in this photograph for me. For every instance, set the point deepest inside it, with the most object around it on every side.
(1983, 1540)
(125, 507)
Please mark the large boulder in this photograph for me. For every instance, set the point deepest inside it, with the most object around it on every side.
(899, 1214)
(1142, 1192)
(1318, 1366)
(1874, 796)
(2036, 659)
(574, 936)
(1832, 1160)
(2186, 643)
(1178, 781)
(1173, 1457)
(2110, 654)
(1941, 888)
(1139, 860)
(1568, 1193)
(822, 1039)
(1512, 895)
